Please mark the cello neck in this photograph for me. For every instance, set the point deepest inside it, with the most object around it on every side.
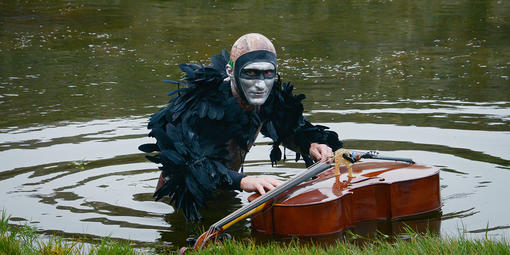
(244, 211)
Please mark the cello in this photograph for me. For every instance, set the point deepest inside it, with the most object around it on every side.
(333, 201)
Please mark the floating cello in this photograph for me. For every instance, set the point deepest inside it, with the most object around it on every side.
(329, 203)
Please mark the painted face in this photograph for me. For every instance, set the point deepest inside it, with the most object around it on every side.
(256, 80)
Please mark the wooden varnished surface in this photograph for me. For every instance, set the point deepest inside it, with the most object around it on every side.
(328, 203)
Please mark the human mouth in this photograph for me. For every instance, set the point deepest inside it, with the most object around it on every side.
(258, 94)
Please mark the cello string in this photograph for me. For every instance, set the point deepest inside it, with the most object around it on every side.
(239, 212)
(270, 194)
(249, 206)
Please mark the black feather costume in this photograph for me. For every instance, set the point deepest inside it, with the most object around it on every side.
(204, 134)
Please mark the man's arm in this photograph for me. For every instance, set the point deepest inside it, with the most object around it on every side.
(287, 126)
(319, 152)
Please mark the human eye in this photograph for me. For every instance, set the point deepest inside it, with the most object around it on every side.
(268, 73)
(250, 72)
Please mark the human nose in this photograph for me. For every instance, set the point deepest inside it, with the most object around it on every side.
(260, 85)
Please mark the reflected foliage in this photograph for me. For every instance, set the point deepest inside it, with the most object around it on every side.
(83, 60)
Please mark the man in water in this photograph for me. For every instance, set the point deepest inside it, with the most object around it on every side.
(204, 133)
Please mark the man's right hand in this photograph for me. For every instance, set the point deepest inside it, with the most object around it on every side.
(259, 184)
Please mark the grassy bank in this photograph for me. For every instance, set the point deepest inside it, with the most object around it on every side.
(418, 244)
(24, 240)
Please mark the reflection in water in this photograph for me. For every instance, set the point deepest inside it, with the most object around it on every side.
(368, 230)
(79, 79)
(461, 214)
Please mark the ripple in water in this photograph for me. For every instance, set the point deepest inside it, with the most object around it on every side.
(88, 178)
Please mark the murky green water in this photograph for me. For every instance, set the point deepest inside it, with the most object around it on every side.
(79, 79)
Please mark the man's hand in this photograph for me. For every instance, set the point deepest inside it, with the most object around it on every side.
(320, 152)
(259, 184)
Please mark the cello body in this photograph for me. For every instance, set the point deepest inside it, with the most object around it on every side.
(330, 203)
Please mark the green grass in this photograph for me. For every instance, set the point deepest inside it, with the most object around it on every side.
(417, 244)
(24, 240)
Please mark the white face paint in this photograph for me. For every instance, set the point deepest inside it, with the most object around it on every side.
(257, 81)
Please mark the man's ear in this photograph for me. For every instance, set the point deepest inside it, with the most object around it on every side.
(230, 71)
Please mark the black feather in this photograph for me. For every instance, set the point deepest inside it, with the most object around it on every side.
(172, 158)
(220, 113)
(153, 159)
(202, 111)
(164, 142)
(148, 148)
(212, 112)
(276, 155)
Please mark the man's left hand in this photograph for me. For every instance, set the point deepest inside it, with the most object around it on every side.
(320, 152)
(259, 184)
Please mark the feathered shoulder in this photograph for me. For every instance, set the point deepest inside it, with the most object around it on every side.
(205, 94)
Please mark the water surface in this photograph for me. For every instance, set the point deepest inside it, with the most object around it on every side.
(79, 80)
